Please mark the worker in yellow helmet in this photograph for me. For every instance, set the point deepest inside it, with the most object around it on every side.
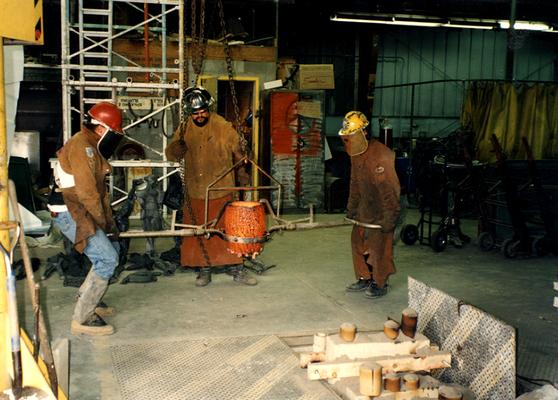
(373, 200)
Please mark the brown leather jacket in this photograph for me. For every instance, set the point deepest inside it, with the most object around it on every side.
(374, 189)
(208, 152)
(88, 200)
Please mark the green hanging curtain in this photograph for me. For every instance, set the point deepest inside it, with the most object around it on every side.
(511, 111)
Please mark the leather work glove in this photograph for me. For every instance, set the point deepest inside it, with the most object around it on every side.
(113, 233)
(176, 150)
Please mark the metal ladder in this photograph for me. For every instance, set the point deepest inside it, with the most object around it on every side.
(93, 71)
(95, 25)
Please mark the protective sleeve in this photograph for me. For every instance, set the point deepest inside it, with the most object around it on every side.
(177, 147)
(83, 169)
(354, 195)
(389, 190)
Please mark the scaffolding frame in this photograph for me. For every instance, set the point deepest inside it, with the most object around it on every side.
(89, 71)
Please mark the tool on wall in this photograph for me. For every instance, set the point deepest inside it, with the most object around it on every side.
(151, 122)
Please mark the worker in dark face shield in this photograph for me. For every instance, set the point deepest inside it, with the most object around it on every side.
(209, 146)
(373, 200)
(84, 215)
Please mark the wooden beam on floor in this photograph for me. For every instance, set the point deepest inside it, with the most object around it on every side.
(367, 345)
(411, 362)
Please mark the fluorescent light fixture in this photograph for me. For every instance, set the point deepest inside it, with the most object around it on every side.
(451, 24)
(525, 26)
(433, 22)
(392, 21)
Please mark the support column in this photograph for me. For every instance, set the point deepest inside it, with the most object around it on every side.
(4, 238)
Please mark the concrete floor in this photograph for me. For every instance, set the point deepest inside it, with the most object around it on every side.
(304, 294)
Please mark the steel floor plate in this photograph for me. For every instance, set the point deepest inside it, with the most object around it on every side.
(255, 367)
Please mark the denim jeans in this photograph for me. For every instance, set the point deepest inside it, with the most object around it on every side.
(102, 253)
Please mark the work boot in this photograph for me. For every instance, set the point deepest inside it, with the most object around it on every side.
(94, 326)
(241, 276)
(359, 285)
(373, 291)
(89, 296)
(204, 277)
(103, 310)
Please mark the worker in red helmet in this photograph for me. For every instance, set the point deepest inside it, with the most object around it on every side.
(209, 146)
(373, 205)
(84, 215)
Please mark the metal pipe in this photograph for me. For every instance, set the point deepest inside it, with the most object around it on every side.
(104, 68)
(307, 225)
(64, 38)
(109, 51)
(411, 120)
(200, 231)
(363, 224)
(171, 233)
(127, 85)
(510, 52)
(146, 37)
(181, 43)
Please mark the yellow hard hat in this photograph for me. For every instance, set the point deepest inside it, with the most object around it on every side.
(353, 122)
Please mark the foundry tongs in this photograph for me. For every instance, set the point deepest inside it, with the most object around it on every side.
(363, 224)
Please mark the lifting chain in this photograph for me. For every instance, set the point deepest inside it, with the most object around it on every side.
(198, 55)
(230, 72)
(185, 71)
(199, 43)
(188, 202)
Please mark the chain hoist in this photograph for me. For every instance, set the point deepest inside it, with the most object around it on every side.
(230, 73)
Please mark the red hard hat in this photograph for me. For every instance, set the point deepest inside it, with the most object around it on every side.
(107, 114)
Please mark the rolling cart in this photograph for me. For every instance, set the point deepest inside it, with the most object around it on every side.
(443, 189)
(510, 212)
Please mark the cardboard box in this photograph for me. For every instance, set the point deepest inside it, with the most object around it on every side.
(315, 76)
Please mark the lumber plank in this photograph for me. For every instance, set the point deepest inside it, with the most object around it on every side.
(368, 345)
(133, 50)
(350, 368)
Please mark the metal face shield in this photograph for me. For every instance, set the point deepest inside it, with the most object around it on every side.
(355, 143)
(108, 143)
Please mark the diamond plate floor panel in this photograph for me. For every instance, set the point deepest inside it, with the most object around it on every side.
(260, 367)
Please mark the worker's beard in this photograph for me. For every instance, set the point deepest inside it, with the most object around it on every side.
(200, 121)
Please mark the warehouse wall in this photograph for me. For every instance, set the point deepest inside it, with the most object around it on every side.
(422, 55)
